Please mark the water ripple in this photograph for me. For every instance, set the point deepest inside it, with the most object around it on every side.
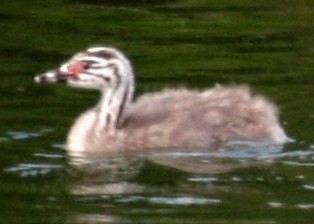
(49, 155)
(22, 135)
(308, 187)
(276, 204)
(297, 163)
(184, 200)
(305, 206)
(31, 169)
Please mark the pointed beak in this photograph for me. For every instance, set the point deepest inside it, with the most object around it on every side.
(54, 76)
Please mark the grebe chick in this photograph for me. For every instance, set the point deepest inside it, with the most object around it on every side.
(170, 118)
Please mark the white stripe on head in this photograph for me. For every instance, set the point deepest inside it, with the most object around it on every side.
(97, 49)
(64, 68)
(99, 60)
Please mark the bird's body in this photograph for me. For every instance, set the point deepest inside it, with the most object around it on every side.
(167, 119)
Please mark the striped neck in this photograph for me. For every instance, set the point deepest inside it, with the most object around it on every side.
(115, 98)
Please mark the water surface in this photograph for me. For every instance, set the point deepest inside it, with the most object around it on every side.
(265, 44)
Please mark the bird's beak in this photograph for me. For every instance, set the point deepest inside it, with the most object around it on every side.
(53, 76)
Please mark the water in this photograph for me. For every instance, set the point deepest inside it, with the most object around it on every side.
(241, 185)
(266, 44)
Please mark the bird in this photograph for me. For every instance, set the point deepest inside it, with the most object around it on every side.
(170, 118)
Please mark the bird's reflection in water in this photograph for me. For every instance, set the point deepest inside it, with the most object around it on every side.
(112, 173)
(226, 157)
(99, 174)
(107, 176)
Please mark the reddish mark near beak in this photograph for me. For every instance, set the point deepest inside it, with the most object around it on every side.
(75, 68)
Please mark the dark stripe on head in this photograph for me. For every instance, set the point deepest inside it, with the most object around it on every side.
(106, 79)
(88, 63)
(102, 54)
(61, 77)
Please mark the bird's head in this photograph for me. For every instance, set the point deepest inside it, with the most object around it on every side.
(96, 68)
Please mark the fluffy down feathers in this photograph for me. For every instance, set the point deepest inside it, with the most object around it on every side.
(184, 118)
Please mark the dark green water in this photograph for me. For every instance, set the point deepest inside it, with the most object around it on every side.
(266, 44)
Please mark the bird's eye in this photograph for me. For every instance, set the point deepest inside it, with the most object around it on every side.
(86, 65)
(107, 79)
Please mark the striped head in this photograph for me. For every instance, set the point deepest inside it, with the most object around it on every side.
(98, 68)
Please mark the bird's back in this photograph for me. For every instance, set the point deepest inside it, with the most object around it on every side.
(193, 118)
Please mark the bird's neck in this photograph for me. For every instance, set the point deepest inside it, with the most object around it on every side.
(112, 104)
